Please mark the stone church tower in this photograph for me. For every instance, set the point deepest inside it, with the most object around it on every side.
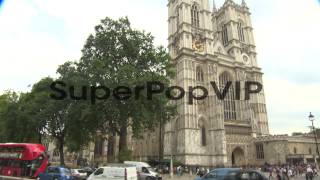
(214, 45)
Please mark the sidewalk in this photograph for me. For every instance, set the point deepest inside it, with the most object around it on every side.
(175, 177)
(192, 177)
(12, 178)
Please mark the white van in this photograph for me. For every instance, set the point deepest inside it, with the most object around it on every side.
(115, 172)
(145, 172)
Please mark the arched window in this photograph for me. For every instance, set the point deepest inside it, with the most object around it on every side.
(174, 144)
(98, 148)
(295, 150)
(203, 132)
(195, 15)
(203, 136)
(229, 105)
(199, 75)
(224, 32)
(178, 18)
(310, 151)
(240, 32)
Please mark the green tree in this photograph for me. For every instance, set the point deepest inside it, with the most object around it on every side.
(8, 106)
(118, 55)
(69, 121)
(16, 123)
(82, 128)
(60, 119)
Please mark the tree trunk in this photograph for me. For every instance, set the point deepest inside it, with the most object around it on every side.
(61, 153)
(123, 139)
(161, 137)
(111, 147)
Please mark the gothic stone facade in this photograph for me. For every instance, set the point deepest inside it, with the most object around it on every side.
(282, 149)
(214, 46)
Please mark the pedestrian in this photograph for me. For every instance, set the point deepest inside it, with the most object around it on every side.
(197, 171)
(315, 172)
(278, 176)
(290, 174)
(270, 172)
(309, 173)
(178, 170)
(285, 173)
(166, 169)
(202, 171)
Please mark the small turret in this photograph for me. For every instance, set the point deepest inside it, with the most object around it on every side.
(214, 9)
(244, 4)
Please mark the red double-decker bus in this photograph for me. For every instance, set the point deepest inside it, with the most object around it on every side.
(22, 160)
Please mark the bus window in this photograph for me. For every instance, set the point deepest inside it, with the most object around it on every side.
(35, 164)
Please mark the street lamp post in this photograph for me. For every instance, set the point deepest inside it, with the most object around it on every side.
(311, 118)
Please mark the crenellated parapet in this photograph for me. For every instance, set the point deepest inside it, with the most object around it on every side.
(305, 138)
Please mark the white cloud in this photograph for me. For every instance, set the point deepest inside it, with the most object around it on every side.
(289, 37)
(289, 105)
(28, 57)
(16, 15)
(39, 54)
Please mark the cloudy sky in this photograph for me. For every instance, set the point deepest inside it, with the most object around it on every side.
(38, 35)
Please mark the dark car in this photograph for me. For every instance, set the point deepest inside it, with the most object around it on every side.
(250, 175)
(232, 174)
(56, 173)
(88, 170)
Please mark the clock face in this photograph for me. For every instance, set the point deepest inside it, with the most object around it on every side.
(198, 45)
(246, 60)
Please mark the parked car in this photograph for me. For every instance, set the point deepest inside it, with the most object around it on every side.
(56, 173)
(145, 171)
(232, 174)
(88, 170)
(79, 174)
(115, 172)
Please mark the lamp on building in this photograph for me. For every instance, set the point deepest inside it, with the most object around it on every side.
(311, 118)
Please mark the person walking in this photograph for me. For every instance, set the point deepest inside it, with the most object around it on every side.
(290, 173)
(198, 171)
(278, 176)
(309, 173)
(285, 173)
(179, 170)
(270, 172)
(315, 172)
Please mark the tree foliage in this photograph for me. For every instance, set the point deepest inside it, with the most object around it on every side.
(118, 55)
(16, 124)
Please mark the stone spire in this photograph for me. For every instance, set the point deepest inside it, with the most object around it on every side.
(214, 7)
(244, 4)
(228, 2)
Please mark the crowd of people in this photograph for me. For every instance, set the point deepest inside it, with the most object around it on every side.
(180, 170)
(283, 172)
(286, 172)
